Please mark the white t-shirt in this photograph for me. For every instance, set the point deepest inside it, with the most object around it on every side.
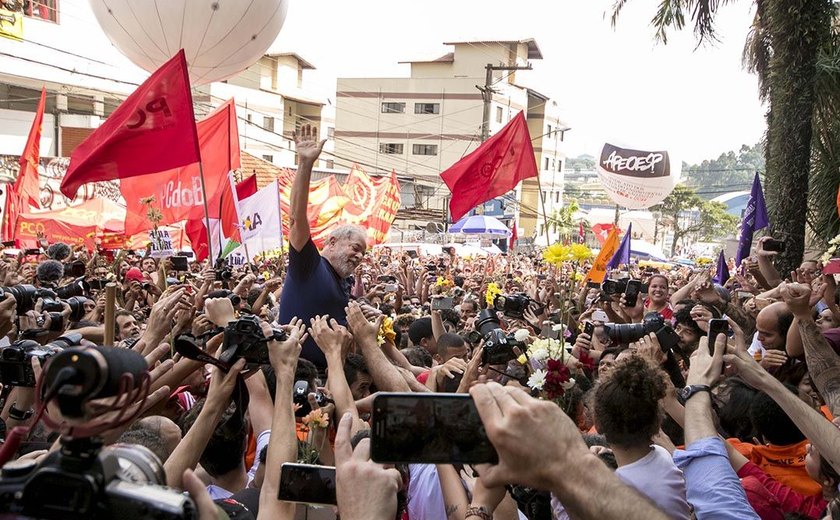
(217, 492)
(425, 498)
(655, 476)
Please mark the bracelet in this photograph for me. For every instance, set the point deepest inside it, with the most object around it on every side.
(20, 415)
(479, 512)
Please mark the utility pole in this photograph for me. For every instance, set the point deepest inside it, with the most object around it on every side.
(487, 92)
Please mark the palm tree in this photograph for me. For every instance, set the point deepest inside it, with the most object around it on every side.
(783, 48)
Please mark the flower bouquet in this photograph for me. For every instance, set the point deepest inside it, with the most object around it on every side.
(550, 375)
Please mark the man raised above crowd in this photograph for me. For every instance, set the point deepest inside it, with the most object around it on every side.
(316, 283)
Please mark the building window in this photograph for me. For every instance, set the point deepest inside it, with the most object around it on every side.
(43, 9)
(330, 132)
(424, 149)
(546, 163)
(290, 110)
(557, 197)
(427, 108)
(553, 164)
(269, 158)
(391, 148)
(499, 114)
(549, 131)
(559, 166)
(393, 108)
(543, 196)
(268, 123)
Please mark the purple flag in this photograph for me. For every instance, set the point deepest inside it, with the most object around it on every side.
(622, 254)
(755, 218)
(722, 274)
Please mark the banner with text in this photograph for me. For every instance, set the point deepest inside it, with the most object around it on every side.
(636, 179)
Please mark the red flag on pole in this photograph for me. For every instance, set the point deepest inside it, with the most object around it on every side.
(27, 184)
(197, 231)
(493, 169)
(178, 194)
(151, 131)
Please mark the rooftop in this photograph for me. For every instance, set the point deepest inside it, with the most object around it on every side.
(303, 63)
(534, 52)
(449, 57)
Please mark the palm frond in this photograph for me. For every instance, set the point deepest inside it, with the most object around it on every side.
(757, 51)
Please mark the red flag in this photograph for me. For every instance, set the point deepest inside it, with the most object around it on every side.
(196, 230)
(27, 184)
(151, 131)
(229, 211)
(581, 233)
(178, 192)
(493, 169)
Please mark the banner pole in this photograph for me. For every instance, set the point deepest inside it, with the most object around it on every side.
(206, 212)
(280, 218)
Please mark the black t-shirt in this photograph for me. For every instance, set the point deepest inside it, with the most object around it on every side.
(312, 287)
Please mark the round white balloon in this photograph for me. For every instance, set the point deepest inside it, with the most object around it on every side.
(637, 179)
(220, 37)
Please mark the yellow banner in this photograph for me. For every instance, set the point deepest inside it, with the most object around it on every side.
(11, 24)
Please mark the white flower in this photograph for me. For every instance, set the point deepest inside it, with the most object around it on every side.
(538, 354)
(568, 385)
(537, 379)
(521, 335)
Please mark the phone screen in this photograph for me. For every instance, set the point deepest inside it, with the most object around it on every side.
(428, 429)
(441, 303)
(716, 327)
(631, 294)
(589, 328)
(773, 245)
(307, 484)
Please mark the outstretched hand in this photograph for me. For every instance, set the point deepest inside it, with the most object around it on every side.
(307, 145)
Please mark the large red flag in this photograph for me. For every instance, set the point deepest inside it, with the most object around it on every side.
(493, 169)
(178, 194)
(27, 184)
(151, 131)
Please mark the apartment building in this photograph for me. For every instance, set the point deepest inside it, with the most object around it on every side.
(421, 124)
(60, 46)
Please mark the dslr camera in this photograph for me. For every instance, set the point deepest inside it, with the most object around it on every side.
(15, 360)
(513, 305)
(244, 338)
(83, 480)
(612, 287)
(498, 346)
(223, 271)
(667, 337)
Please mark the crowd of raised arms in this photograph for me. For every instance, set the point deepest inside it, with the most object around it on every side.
(593, 401)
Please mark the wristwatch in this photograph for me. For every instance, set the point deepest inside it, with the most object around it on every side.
(19, 415)
(686, 393)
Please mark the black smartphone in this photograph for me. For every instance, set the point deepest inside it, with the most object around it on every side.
(631, 294)
(9, 243)
(98, 284)
(589, 328)
(428, 429)
(716, 327)
(179, 263)
(307, 484)
(30, 252)
(439, 304)
(773, 245)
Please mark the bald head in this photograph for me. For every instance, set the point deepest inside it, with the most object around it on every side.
(772, 324)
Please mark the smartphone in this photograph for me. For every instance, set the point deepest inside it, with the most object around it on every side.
(541, 277)
(29, 252)
(773, 245)
(439, 304)
(9, 243)
(428, 429)
(631, 294)
(716, 327)
(307, 484)
(386, 278)
(179, 263)
(589, 328)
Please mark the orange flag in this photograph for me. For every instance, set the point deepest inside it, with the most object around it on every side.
(599, 267)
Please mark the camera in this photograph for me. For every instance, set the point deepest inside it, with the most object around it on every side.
(244, 338)
(300, 396)
(223, 271)
(83, 480)
(498, 346)
(611, 287)
(668, 341)
(15, 364)
(514, 305)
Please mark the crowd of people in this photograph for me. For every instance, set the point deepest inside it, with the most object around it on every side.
(611, 405)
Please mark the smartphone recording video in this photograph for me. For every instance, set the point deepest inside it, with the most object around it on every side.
(439, 304)
(307, 484)
(428, 429)
(716, 328)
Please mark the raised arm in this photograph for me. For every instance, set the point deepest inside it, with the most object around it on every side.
(308, 149)
(385, 375)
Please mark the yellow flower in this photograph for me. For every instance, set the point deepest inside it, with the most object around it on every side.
(386, 331)
(580, 252)
(493, 290)
(556, 254)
